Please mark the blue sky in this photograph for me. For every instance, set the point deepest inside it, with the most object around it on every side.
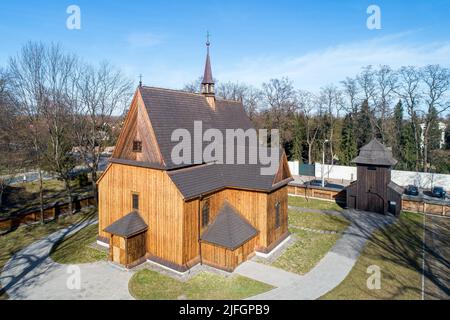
(312, 42)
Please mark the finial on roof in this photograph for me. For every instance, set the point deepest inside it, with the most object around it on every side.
(140, 80)
(208, 43)
(208, 82)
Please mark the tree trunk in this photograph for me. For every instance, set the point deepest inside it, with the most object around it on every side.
(309, 152)
(69, 195)
(2, 189)
(425, 148)
(41, 197)
(94, 187)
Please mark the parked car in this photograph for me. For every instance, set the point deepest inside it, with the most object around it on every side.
(438, 192)
(315, 183)
(411, 190)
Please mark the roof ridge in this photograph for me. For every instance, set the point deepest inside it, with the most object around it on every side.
(198, 94)
(172, 90)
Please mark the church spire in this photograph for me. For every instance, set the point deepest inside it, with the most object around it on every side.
(208, 82)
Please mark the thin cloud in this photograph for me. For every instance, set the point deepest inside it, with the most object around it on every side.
(143, 39)
(316, 69)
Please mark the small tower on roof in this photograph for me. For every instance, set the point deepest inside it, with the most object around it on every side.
(208, 82)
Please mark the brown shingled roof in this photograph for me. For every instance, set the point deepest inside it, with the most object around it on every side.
(173, 109)
(229, 229)
(197, 180)
(207, 76)
(127, 226)
(375, 153)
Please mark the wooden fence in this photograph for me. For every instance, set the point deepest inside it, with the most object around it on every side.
(419, 205)
(427, 206)
(329, 194)
(51, 211)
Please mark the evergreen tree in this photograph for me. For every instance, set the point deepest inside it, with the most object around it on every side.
(398, 130)
(447, 137)
(298, 137)
(363, 130)
(348, 142)
(407, 159)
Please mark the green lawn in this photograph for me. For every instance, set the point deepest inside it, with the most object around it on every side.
(306, 252)
(397, 250)
(318, 221)
(313, 203)
(310, 247)
(75, 249)
(18, 239)
(151, 285)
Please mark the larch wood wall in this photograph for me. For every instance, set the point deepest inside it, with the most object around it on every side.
(173, 234)
(273, 233)
(138, 127)
(227, 259)
(160, 204)
(257, 207)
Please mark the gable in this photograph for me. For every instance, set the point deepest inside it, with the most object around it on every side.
(169, 110)
(137, 127)
(283, 172)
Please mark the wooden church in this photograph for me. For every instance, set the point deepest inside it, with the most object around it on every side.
(373, 190)
(151, 208)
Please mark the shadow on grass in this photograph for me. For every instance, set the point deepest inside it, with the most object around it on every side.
(402, 244)
(29, 266)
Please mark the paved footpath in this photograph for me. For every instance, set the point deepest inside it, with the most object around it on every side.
(329, 272)
(32, 274)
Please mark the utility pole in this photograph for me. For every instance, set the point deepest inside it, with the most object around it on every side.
(323, 162)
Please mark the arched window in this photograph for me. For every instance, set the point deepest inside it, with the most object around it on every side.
(205, 213)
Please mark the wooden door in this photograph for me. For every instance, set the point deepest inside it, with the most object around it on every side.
(375, 203)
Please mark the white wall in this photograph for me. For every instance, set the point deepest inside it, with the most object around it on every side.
(293, 167)
(402, 178)
(336, 172)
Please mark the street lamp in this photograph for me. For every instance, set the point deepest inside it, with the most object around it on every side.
(323, 161)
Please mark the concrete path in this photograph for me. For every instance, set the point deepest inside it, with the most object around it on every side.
(32, 274)
(329, 272)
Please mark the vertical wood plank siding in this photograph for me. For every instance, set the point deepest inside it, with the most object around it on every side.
(173, 234)
(161, 207)
(227, 259)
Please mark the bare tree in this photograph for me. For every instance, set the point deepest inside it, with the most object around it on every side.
(351, 94)
(436, 86)
(8, 161)
(56, 113)
(386, 82)
(248, 95)
(193, 86)
(102, 92)
(409, 91)
(307, 106)
(331, 103)
(27, 73)
(280, 99)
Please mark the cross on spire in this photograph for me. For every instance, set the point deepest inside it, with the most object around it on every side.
(208, 82)
(208, 35)
(140, 80)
